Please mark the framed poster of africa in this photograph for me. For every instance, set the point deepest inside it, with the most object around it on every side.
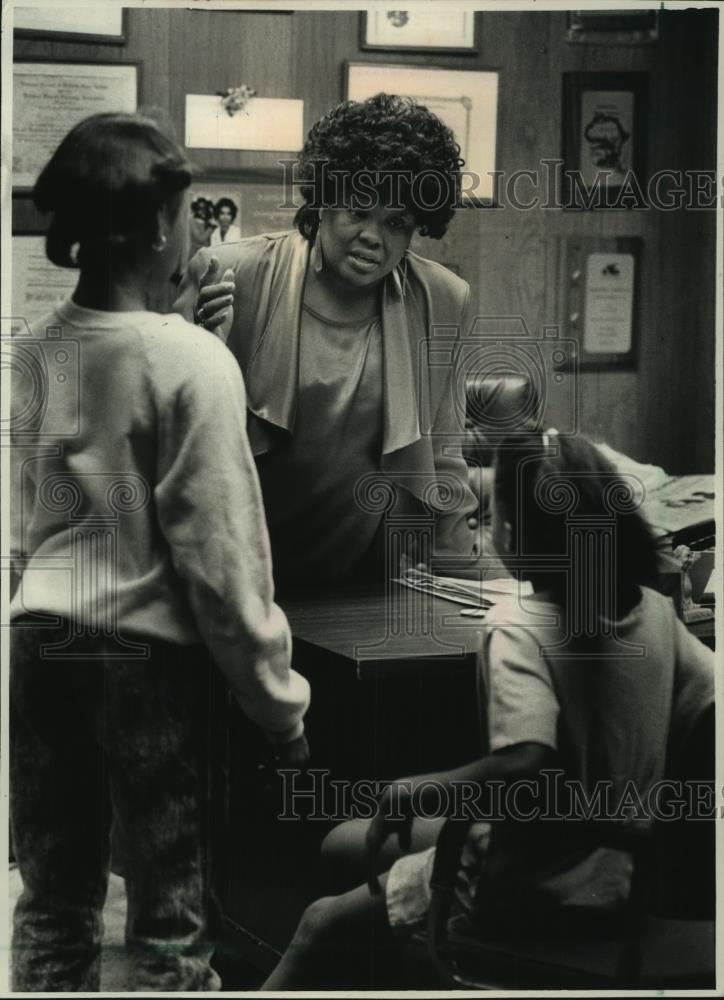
(604, 138)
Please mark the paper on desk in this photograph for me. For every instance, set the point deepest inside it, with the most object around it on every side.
(474, 593)
(681, 502)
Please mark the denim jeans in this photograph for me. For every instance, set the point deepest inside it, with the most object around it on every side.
(139, 741)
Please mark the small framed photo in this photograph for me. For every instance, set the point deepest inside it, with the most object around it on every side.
(215, 215)
(466, 100)
(420, 30)
(613, 27)
(103, 23)
(598, 299)
(604, 137)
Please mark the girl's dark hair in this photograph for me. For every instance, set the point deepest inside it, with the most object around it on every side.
(386, 143)
(105, 184)
(542, 488)
(225, 203)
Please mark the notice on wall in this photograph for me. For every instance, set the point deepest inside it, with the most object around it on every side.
(49, 99)
(609, 300)
(262, 124)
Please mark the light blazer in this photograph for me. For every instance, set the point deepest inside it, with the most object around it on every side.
(422, 423)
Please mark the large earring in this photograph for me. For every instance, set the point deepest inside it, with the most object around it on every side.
(317, 256)
(404, 275)
(160, 243)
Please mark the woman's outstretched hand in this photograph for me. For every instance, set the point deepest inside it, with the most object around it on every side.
(214, 308)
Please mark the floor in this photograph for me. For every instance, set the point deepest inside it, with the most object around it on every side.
(114, 971)
(114, 968)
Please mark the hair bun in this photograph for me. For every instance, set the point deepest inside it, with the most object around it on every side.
(45, 193)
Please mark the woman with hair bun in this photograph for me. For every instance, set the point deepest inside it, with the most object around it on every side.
(351, 412)
(136, 481)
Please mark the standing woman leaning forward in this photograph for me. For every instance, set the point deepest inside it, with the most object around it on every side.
(332, 326)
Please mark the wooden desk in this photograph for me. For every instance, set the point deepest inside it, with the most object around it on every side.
(393, 693)
(376, 633)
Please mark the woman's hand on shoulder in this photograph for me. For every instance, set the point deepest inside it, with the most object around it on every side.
(214, 308)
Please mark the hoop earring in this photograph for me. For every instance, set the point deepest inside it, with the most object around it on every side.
(160, 243)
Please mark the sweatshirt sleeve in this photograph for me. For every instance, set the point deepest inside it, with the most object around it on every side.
(210, 511)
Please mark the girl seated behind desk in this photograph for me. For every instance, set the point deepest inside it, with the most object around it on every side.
(621, 691)
(136, 472)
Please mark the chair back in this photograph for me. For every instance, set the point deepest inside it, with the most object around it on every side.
(496, 406)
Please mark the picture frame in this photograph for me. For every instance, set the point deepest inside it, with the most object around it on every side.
(466, 100)
(598, 297)
(604, 141)
(103, 24)
(50, 98)
(262, 197)
(215, 214)
(419, 30)
(613, 27)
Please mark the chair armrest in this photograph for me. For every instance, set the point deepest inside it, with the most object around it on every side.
(445, 867)
(635, 836)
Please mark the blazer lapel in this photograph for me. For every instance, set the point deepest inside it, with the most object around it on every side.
(272, 376)
(407, 454)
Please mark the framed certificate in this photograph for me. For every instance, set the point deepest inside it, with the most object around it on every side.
(49, 98)
(104, 23)
(466, 100)
(598, 298)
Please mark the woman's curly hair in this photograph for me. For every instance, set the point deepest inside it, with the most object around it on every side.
(376, 142)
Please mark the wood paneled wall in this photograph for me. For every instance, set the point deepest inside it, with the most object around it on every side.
(662, 411)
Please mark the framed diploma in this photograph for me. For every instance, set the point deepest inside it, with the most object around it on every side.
(103, 23)
(466, 100)
(604, 138)
(598, 298)
(49, 98)
(37, 285)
